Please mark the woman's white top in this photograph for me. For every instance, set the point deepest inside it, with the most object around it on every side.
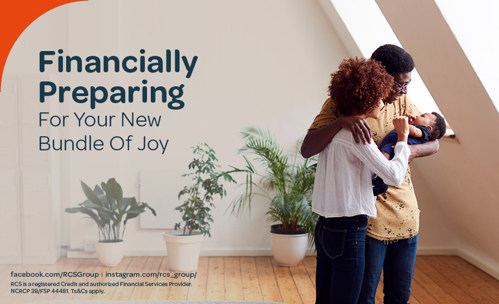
(343, 180)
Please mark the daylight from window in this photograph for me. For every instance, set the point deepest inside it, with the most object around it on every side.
(379, 32)
(475, 25)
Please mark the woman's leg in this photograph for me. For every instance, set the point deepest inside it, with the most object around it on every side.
(348, 269)
(323, 273)
(340, 259)
(375, 257)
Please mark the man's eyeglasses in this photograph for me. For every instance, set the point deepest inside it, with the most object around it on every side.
(400, 86)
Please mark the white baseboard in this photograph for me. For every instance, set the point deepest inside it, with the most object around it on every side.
(469, 257)
(80, 254)
(48, 259)
(437, 251)
(480, 263)
(40, 260)
(10, 260)
(209, 252)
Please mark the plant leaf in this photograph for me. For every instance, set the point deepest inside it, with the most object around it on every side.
(90, 194)
(87, 212)
(114, 188)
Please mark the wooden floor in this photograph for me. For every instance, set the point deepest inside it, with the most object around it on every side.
(437, 279)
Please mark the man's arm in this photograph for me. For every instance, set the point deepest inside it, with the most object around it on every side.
(422, 150)
(316, 140)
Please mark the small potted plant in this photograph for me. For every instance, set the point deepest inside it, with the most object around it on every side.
(287, 183)
(111, 211)
(183, 244)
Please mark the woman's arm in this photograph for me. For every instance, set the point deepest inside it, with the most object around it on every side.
(392, 172)
(316, 140)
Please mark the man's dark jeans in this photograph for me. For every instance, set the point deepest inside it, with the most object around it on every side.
(397, 260)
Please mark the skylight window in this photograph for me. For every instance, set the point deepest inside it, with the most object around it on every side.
(369, 28)
(475, 25)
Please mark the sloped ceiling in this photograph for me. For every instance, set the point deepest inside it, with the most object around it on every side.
(463, 176)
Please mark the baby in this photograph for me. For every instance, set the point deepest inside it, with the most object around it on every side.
(423, 128)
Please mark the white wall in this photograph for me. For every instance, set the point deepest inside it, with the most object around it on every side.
(32, 205)
(261, 63)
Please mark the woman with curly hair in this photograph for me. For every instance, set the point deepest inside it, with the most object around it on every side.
(343, 195)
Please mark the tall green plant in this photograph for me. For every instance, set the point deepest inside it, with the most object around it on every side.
(206, 174)
(109, 209)
(287, 182)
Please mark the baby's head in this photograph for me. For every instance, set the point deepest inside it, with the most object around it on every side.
(434, 121)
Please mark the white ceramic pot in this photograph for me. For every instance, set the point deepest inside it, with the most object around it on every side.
(110, 253)
(182, 250)
(289, 249)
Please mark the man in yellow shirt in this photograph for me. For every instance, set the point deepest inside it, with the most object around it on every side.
(392, 236)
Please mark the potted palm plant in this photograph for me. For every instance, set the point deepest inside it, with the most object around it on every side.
(111, 211)
(183, 244)
(287, 183)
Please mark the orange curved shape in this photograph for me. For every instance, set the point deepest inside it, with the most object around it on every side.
(16, 16)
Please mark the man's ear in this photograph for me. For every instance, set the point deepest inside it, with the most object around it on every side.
(430, 128)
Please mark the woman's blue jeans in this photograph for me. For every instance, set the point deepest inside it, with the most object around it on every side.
(397, 260)
(340, 244)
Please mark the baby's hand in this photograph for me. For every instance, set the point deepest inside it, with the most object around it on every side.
(410, 117)
(402, 127)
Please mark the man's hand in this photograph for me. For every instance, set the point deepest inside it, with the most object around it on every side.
(360, 129)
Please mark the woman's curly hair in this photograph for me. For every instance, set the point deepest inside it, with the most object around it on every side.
(358, 85)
